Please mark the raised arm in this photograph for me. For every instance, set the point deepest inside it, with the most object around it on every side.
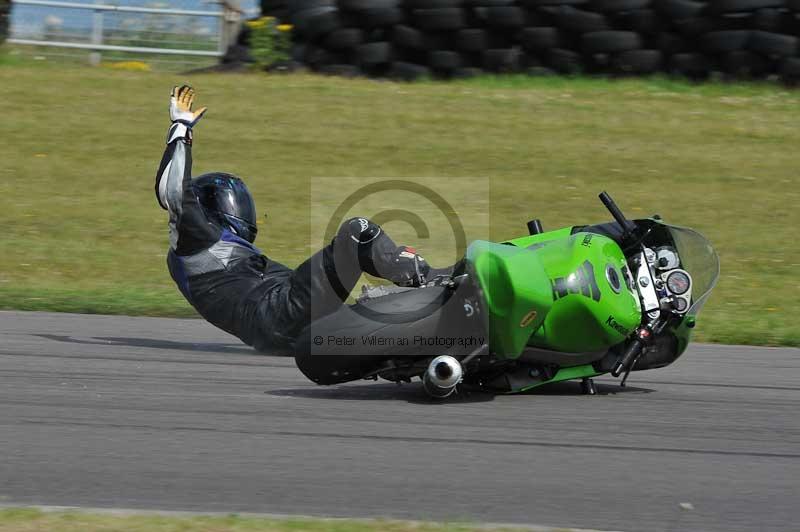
(189, 230)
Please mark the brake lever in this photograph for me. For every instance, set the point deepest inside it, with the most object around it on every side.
(628, 371)
(644, 336)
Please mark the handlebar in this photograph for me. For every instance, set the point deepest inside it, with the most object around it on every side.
(643, 334)
(643, 337)
(623, 222)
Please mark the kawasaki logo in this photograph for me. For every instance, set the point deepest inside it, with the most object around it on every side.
(611, 322)
(581, 282)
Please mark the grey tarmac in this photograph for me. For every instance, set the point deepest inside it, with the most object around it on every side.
(166, 414)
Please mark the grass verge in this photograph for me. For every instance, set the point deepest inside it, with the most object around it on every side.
(80, 146)
(31, 520)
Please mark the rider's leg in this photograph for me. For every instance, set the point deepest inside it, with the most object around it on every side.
(321, 284)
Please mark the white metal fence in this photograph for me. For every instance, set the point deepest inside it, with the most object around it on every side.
(126, 31)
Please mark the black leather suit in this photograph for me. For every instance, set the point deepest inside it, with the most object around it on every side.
(237, 288)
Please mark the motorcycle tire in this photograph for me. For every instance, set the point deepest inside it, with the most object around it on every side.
(404, 71)
(679, 9)
(606, 42)
(616, 6)
(739, 6)
(540, 39)
(579, 21)
(344, 39)
(440, 19)
(444, 60)
(325, 353)
(725, 41)
(774, 44)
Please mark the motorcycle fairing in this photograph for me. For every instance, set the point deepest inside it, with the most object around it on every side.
(554, 290)
(399, 329)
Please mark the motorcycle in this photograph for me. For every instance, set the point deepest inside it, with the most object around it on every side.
(572, 303)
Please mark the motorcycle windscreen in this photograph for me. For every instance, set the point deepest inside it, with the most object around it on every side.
(699, 258)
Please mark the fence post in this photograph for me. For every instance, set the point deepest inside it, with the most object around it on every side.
(97, 34)
(223, 25)
(230, 23)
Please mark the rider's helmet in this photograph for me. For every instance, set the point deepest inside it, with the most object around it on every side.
(227, 202)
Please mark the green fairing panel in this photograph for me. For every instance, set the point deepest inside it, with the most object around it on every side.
(564, 374)
(550, 290)
(516, 292)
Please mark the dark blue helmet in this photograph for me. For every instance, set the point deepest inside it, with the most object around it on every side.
(227, 202)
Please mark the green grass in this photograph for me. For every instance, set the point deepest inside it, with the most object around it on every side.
(79, 149)
(33, 520)
(58, 58)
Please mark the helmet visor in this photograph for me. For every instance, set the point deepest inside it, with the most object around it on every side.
(234, 199)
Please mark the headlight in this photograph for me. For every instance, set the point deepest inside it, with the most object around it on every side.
(678, 282)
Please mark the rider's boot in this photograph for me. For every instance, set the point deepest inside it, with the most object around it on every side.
(381, 257)
(408, 268)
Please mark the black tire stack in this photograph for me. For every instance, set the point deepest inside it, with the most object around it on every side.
(275, 8)
(739, 38)
(5, 14)
(408, 39)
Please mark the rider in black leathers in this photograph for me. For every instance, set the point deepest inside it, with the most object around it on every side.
(228, 280)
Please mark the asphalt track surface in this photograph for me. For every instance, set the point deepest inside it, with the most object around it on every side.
(165, 414)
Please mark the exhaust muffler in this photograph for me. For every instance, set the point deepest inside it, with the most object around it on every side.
(442, 376)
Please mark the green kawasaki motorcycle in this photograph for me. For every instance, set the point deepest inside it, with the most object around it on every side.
(573, 303)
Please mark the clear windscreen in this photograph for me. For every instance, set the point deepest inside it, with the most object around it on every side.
(696, 255)
(699, 258)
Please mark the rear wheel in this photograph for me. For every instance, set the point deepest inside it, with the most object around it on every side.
(401, 325)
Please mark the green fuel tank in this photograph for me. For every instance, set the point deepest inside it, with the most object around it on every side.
(555, 290)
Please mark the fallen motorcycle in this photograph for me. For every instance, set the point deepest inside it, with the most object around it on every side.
(573, 303)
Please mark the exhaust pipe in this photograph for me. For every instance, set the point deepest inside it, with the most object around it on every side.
(442, 376)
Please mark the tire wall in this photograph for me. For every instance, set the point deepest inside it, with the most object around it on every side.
(5, 10)
(406, 39)
(275, 8)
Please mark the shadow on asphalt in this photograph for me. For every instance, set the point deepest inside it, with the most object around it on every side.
(409, 392)
(574, 388)
(413, 392)
(151, 343)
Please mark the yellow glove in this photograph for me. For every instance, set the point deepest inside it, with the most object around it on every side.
(180, 106)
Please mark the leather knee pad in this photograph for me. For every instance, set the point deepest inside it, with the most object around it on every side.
(361, 230)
